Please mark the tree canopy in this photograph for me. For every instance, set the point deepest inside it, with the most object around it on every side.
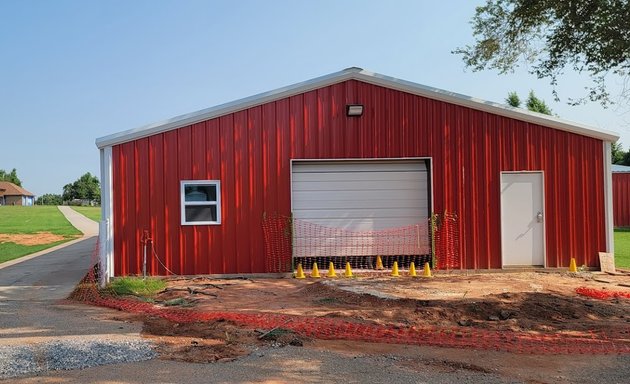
(588, 36)
(532, 103)
(618, 155)
(86, 187)
(11, 177)
(49, 199)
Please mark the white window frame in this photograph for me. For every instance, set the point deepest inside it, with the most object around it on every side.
(184, 203)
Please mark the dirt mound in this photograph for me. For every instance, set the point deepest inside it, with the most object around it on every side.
(534, 304)
(212, 341)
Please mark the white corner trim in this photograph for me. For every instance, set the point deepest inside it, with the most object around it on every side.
(106, 225)
(608, 198)
(361, 75)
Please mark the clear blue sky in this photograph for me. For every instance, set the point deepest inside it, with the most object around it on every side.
(72, 71)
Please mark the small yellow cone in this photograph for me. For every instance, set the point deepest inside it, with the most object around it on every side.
(412, 270)
(427, 270)
(315, 271)
(348, 272)
(379, 263)
(572, 265)
(300, 272)
(395, 270)
(331, 270)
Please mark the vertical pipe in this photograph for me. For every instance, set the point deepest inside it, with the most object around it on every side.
(144, 260)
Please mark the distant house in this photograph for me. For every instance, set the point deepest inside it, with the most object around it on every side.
(11, 194)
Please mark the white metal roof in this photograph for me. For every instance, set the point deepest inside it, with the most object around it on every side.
(367, 77)
(620, 168)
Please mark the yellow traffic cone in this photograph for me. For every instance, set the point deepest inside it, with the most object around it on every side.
(412, 270)
(331, 270)
(300, 272)
(572, 265)
(427, 270)
(348, 272)
(395, 270)
(379, 263)
(315, 271)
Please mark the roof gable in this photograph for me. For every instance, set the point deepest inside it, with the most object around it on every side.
(359, 74)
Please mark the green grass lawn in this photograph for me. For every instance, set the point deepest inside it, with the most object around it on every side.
(93, 213)
(137, 286)
(15, 220)
(622, 247)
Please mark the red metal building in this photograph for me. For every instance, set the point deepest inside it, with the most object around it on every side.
(621, 195)
(527, 189)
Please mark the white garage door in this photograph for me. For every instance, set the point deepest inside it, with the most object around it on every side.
(361, 196)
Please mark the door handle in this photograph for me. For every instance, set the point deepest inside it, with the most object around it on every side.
(539, 217)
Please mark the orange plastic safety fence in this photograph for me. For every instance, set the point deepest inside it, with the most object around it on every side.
(316, 243)
(601, 294)
(446, 237)
(291, 241)
(277, 236)
(342, 329)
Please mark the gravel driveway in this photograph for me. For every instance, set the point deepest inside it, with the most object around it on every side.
(39, 332)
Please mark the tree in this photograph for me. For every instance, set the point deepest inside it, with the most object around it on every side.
(49, 199)
(617, 152)
(86, 187)
(590, 36)
(535, 104)
(513, 100)
(532, 103)
(10, 177)
(625, 160)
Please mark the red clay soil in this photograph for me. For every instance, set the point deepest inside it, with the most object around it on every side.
(527, 302)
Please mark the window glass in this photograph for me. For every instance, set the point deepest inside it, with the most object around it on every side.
(200, 202)
(200, 192)
(201, 213)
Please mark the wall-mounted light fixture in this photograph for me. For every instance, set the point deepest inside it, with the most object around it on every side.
(354, 110)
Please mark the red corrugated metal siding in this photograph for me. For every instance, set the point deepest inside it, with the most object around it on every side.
(621, 199)
(250, 152)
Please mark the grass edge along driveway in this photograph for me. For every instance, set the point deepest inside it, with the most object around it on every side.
(34, 223)
(622, 248)
(92, 213)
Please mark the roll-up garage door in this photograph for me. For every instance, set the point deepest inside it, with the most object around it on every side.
(362, 195)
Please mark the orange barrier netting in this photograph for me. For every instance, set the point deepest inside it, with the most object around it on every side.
(292, 241)
(277, 238)
(446, 238)
(315, 243)
(601, 294)
(342, 329)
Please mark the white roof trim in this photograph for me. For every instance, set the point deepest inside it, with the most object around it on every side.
(361, 75)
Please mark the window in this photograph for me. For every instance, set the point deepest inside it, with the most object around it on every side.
(201, 202)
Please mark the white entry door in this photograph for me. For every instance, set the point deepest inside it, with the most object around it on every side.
(522, 219)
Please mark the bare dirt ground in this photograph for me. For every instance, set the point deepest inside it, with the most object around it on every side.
(32, 238)
(540, 303)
